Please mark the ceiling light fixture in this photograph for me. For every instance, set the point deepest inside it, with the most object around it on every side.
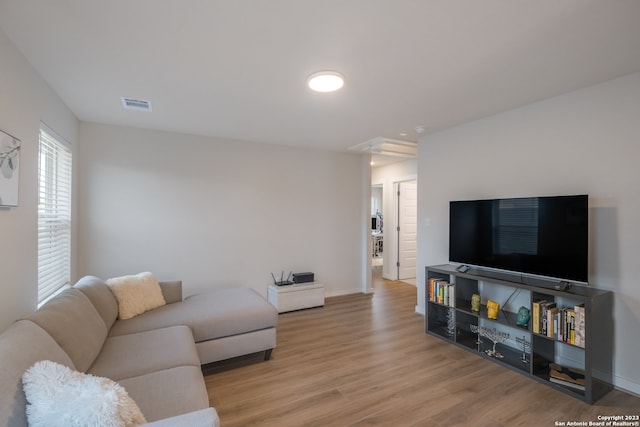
(325, 81)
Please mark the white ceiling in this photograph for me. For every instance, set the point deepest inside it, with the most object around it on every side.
(237, 68)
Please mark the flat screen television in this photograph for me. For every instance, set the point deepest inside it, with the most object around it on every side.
(542, 236)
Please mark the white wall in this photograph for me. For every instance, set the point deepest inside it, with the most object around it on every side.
(376, 200)
(25, 100)
(387, 176)
(217, 213)
(585, 142)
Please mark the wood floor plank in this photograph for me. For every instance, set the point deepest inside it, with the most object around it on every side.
(364, 360)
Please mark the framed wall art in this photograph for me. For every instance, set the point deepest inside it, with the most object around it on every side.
(9, 169)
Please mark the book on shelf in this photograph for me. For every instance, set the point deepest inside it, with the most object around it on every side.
(451, 295)
(562, 324)
(552, 322)
(544, 317)
(433, 294)
(566, 324)
(570, 377)
(571, 334)
(579, 323)
(442, 292)
(535, 315)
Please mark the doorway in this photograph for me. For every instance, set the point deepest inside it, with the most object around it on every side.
(384, 181)
(406, 193)
(377, 228)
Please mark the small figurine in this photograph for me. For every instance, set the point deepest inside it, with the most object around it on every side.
(475, 302)
(523, 316)
(492, 309)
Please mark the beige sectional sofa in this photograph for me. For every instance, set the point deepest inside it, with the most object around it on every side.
(156, 356)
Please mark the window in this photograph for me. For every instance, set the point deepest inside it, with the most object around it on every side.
(516, 230)
(54, 214)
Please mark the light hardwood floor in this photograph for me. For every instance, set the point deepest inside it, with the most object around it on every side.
(365, 360)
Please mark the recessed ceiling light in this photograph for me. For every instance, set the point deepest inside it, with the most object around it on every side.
(325, 81)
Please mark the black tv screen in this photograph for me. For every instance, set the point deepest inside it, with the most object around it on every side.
(544, 236)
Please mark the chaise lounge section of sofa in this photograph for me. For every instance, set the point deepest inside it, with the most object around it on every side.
(156, 356)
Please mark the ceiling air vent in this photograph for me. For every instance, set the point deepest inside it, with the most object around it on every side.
(136, 104)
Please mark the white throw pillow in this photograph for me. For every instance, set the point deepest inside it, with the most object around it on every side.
(58, 396)
(136, 294)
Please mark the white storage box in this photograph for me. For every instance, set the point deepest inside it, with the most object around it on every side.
(296, 297)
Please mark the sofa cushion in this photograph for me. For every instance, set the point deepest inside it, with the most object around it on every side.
(171, 290)
(62, 397)
(229, 312)
(136, 294)
(101, 297)
(236, 345)
(21, 345)
(74, 324)
(211, 315)
(156, 392)
(137, 354)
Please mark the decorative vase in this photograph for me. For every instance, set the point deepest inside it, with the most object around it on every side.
(475, 302)
(492, 309)
(523, 316)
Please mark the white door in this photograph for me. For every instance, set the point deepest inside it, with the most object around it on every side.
(407, 229)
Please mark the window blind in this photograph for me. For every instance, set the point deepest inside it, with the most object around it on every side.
(54, 215)
(517, 227)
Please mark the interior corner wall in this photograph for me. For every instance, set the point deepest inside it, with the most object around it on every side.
(387, 176)
(584, 142)
(25, 101)
(217, 213)
(367, 244)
